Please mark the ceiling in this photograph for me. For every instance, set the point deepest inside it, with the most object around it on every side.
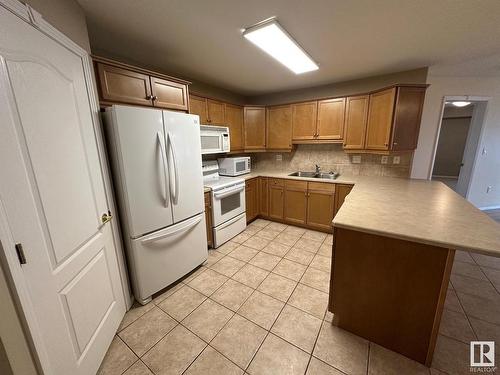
(349, 39)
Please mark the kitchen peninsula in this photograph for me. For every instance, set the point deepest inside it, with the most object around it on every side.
(393, 249)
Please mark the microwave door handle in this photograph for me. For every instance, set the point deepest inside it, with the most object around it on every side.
(171, 146)
(159, 136)
(228, 193)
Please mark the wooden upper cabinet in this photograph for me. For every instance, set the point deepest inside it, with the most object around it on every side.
(198, 106)
(331, 119)
(355, 122)
(407, 117)
(123, 85)
(279, 128)
(168, 94)
(234, 120)
(380, 116)
(320, 205)
(255, 128)
(215, 111)
(304, 117)
(295, 209)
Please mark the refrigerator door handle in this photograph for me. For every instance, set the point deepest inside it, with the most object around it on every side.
(165, 170)
(175, 197)
(168, 233)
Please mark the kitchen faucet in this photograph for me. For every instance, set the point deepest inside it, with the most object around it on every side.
(318, 169)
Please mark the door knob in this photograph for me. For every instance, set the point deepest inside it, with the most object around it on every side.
(106, 217)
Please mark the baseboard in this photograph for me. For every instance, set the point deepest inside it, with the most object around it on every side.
(487, 208)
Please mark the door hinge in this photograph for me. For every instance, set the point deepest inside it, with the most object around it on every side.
(20, 253)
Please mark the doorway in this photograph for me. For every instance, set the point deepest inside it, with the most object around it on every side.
(457, 142)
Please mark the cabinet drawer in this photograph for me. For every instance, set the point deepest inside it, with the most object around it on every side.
(322, 186)
(276, 182)
(293, 184)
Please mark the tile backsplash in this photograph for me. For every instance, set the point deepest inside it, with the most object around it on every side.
(331, 157)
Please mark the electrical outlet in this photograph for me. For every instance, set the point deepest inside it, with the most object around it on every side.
(488, 189)
(396, 159)
(279, 157)
(356, 159)
(384, 159)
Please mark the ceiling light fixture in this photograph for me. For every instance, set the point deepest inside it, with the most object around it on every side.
(460, 103)
(274, 40)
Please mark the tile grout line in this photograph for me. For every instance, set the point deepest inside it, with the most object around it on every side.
(182, 281)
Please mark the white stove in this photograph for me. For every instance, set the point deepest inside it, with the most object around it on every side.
(228, 202)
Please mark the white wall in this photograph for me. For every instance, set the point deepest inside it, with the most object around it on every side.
(487, 169)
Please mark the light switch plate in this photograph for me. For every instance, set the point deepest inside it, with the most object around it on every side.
(384, 159)
(396, 160)
(356, 159)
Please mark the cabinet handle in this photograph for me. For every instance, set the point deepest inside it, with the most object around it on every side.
(149, 97)
(386, 144)
(395, 143)
(154, 98)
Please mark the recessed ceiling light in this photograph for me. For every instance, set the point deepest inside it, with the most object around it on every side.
(273, 39)
(460, 103)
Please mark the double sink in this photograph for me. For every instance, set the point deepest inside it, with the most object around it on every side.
(319, 175)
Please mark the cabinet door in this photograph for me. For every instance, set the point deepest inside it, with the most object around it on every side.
(264, 196)
(255, 128)
(331, 119)
(407, 116)
(304, 117)
(168, 94)
(380, 114)
(279, 128)
(356, 115)
(320, 205)
(276, 189)
(208, 219)
(251, 199)
(215, 112)
(295, 201)
(341, 191)
(234, 120)
(123, 86)
(198, 106)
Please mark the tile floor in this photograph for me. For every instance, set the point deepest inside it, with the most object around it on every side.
(258, 306)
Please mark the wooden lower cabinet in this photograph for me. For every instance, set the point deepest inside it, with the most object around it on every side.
(307, 204)
(276, 198)
(295, 210)
(341, 192)
(264, 196)
(252, 200)
(208, 219)
(320, 205)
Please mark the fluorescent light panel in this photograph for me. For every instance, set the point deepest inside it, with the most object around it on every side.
(274, 40)
(460, 103)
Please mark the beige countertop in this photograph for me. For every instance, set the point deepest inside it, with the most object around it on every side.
(417, 210)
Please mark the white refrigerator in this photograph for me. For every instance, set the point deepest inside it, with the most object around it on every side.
(156, 162)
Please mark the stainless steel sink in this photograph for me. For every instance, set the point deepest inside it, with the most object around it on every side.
(326, 176)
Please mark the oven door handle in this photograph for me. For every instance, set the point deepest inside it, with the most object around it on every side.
(229, 192)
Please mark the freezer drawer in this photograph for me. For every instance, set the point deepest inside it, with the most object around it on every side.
(163, 257)
(229, 229)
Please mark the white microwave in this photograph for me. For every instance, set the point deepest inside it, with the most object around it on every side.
(234, 166)
(214, 139)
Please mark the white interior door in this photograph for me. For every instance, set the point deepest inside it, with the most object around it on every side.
(52, 197)
(184, 156)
